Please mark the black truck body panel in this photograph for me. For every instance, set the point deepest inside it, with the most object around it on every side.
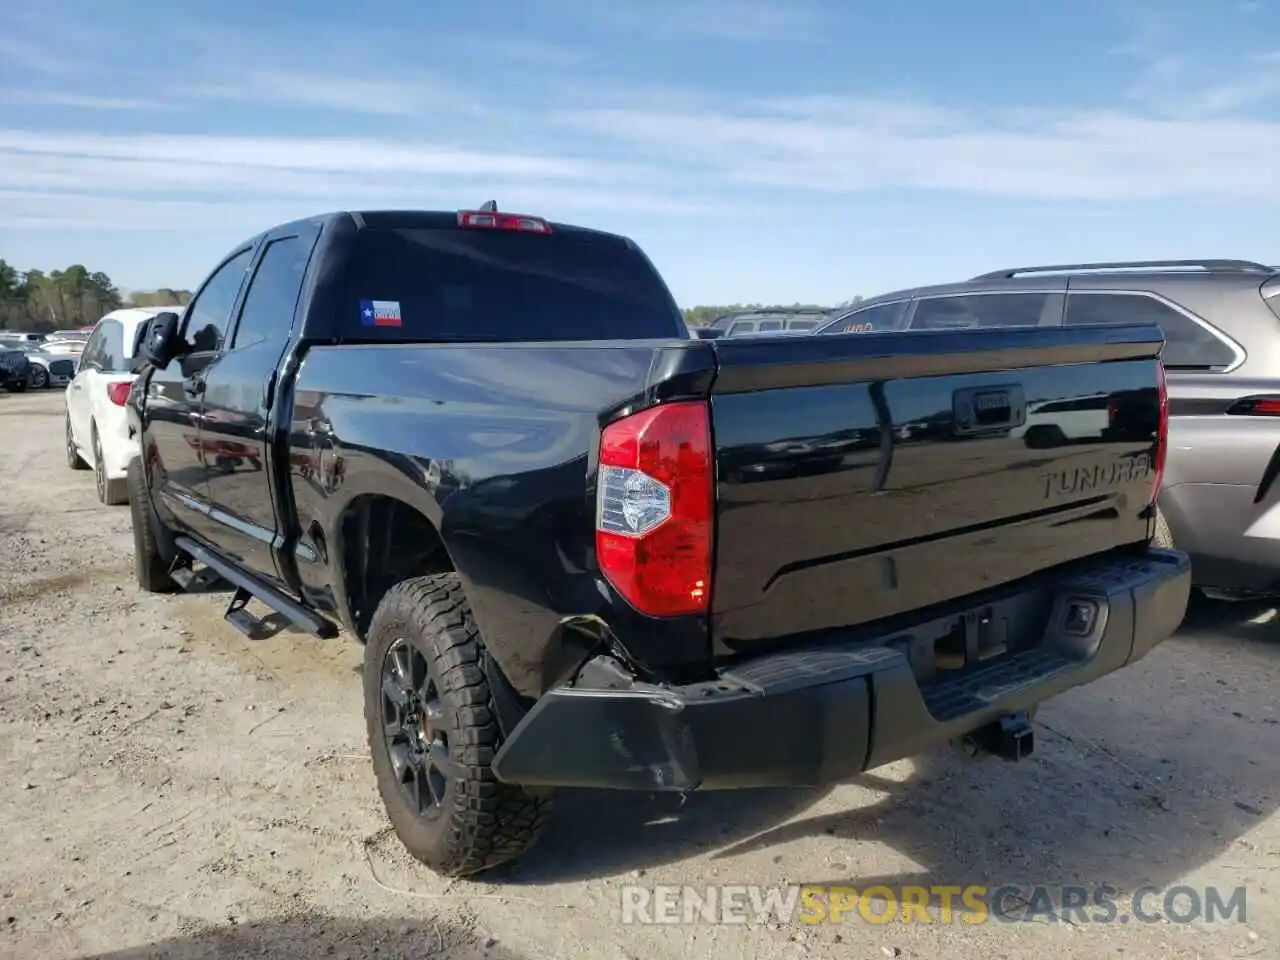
(878, 497)
(495, 445)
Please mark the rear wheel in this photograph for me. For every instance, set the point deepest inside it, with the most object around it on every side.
(111, 492)
(74, 460)
(150, 562)
(433, 732)
(39, 378)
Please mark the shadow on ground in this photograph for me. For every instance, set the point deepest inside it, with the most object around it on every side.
(315, 936)
(1253, 621)
(1123, 790)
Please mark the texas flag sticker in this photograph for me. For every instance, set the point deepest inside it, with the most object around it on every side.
(380, 313)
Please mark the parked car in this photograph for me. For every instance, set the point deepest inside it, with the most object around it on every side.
(15, 369)
(767, 322)
(1221, 321)
(48, 370)
(17, 336)
(98, 434)
(550, 544)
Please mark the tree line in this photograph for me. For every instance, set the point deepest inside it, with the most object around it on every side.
(39, 302)
(75, 297)
(702, 315)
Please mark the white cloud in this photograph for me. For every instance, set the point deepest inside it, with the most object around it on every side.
(404, 96)
(48, 210)
(222, 155)
(1042, 154)
(15, 96)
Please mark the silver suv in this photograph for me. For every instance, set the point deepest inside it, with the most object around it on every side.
(773, 322)
(1221, 320)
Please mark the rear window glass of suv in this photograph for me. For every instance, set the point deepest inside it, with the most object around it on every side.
(446, 284)
(1187, 344)
(882, 316)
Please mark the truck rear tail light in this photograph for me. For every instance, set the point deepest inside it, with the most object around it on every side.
(484, 220)
(654, 508)
(1162, 437)
(118, 392)
(1264, 406)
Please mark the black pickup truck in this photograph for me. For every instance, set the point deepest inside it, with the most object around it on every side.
(583, 548)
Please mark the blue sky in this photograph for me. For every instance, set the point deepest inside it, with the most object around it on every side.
(759, 150)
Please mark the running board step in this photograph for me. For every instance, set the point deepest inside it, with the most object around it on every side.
(189, 579)
(249, 587)
(252, 627)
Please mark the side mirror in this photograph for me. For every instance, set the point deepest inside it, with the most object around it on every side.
(161, 343)
(707, 333)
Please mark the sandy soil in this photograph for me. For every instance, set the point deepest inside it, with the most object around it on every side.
(171, 789)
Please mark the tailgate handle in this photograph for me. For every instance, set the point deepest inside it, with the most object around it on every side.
(988, 409)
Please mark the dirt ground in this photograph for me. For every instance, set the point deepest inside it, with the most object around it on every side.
(171, 789)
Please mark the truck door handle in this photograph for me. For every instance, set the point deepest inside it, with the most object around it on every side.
(193, 387)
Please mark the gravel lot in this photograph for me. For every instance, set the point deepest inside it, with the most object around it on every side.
(171, 789)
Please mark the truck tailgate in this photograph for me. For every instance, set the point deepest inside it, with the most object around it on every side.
(864, 476)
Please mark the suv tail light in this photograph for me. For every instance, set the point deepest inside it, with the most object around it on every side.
(1162, 438)
(118, 392)
(654, 508)
(1263, 406)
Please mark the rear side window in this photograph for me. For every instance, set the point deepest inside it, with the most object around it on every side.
(770, 326)
(105, 349)
(481, 285)
(981, 310)
(1187, 344)
(273, 292)
(884, 316)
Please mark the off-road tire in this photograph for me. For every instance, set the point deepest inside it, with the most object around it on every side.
(1163, 536)
(481, 823)
(74, 460)
(149, 561)
(111, 493)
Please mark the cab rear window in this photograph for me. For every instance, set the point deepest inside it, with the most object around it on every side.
(450, 284)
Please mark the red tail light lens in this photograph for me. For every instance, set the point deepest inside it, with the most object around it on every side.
(1266, 406)
(654, 509)
(118, 392)
(483, 220)
(1162, 439)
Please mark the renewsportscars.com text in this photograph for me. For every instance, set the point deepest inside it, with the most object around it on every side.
(1011, 903)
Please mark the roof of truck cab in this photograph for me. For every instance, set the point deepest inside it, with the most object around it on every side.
(435, 219)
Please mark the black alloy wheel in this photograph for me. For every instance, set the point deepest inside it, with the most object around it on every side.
(414, 725)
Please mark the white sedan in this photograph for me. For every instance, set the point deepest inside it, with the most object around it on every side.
(98, 431)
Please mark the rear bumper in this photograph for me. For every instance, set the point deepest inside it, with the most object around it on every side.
(810, 716)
